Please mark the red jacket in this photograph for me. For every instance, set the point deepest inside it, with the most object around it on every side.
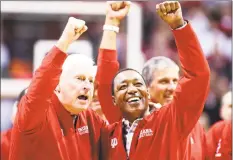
(219, 141)
(44, 130)
(5, 144)
(158, 135)
(194, 146)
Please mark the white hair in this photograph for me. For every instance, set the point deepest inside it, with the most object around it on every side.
(77, 59)
(79, 62)
(226, 99)
(156, 64)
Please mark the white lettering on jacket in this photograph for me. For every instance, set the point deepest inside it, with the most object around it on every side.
(83, 130)
(145, 133)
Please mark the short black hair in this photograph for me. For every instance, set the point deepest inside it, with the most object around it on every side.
(123, 70)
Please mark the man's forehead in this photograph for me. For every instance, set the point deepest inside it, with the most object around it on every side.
(89, 71)
(127, 76)
(166, 73)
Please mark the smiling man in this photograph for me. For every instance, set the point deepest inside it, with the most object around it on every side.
(162, 75)
(131, 95)
(140, 134)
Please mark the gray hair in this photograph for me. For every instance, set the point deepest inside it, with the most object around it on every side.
(155, 64)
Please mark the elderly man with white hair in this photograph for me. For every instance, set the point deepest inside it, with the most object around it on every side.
(50, 124)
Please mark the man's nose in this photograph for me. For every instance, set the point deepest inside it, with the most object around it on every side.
(172, 86)
(132, 89)
(87, 86)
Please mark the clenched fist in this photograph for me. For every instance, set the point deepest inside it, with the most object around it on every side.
(117, 10)
(170, 12)
(73, 30)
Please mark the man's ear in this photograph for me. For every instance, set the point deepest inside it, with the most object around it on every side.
(114, 100)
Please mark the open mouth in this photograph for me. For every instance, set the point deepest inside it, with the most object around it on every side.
(133, 100)
(83, 97)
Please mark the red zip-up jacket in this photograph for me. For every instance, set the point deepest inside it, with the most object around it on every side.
(194, 146)
(159, 134)
(5, 144)
(219, 141)
(44, 130)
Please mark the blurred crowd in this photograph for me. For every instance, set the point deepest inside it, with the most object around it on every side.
(212, 22)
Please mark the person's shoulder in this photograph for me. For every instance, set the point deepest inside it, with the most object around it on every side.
(217, 127)
(220, 123)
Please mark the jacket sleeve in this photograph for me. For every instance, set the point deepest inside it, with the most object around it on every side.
(33, 107)
(193, 86)
(107, 67)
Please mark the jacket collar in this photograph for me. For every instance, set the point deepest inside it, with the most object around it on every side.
(64, 117)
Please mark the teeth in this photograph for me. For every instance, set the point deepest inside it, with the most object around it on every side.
(133, 99)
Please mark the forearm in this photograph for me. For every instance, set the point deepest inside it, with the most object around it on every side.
(107, 68)
(32, 108)
(109, 37)
(46, 77)
(193, 87)
(193, 61)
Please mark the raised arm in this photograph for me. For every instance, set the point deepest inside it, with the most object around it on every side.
(107, 59)
(193, 87)
(34, 105)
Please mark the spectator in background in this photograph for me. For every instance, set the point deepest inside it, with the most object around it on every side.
(226, 108)
(219, 137)
(6, 135)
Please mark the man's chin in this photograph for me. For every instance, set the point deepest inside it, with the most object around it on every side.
(168, 100)
(78, 108)
(136, 106)
(82, 106)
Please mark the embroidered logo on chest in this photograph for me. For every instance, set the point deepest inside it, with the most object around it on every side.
(145, 133)
(114, 142)
(83, 130)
